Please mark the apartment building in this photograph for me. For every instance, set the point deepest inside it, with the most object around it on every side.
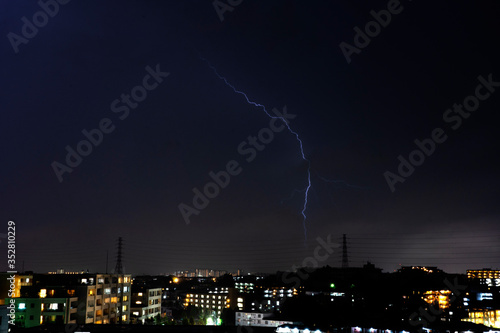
(486, 276)
(31, 312)
(258, 319)
(274, 297)
(146, 303)
(73, 298)
(215, 299)
(104, 299)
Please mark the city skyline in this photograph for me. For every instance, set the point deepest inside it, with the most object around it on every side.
(413, 299)
(387, 257)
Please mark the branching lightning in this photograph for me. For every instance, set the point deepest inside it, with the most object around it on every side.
(304, 207)
(308, 187)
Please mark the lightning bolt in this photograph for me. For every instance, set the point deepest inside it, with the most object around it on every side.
(308, 187)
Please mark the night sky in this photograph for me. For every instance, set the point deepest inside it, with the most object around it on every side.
(354, 120)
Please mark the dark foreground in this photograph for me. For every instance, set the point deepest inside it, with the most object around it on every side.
(145, 328)
(461, 327)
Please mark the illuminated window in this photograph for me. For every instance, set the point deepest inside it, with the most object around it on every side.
(91, 292)
(43, 293)
(53, 306)
(124, 308)
(107, 291)
(138, 302)
(442, 298)
(139, 294)
(21, 306)
(124, 317)
(125, 298)
(125, 289)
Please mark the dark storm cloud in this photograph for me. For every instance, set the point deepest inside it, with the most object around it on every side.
(354, 119)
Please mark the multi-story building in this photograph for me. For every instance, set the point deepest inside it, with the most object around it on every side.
(20, 280)
(215, 299)
(486, 276)
(258, 319)
(245, 287)
(490, 318)
(274, 297)
(73, 298)
(146, 303)
(104, 299)
(31, 312)
(439, 298)
(482, 303)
